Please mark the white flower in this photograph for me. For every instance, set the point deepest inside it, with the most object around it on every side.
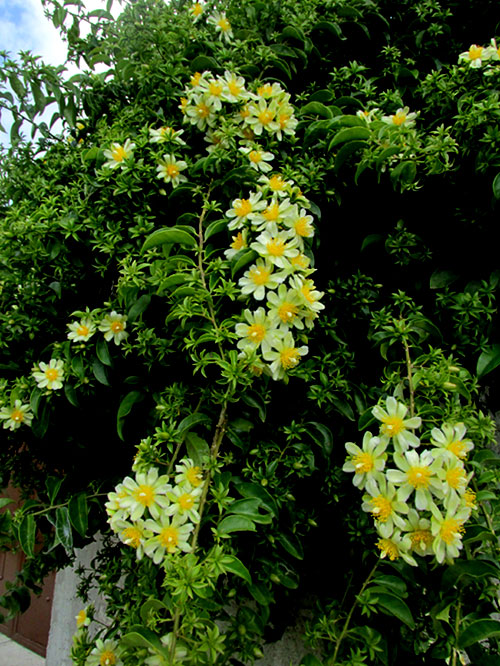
(222, 25)
(284, 355)
(188, 474)
(118, 155)
(105, 653)
(196, 11)
(146, 491)
(275, 214)
(200, 113)
(258, 278)
(258, 332)
(395, 426)
(402, 118)
(416, 473)
(277, 248)
(16, 415)
(285, 308)
(169, 169)
(263, 117)
(245, 209)
(239, 243)
(49, 375)
(113, 326)
(366, 462)
(184, 502)
(81, 331)
(132, 534)
(170, 536)
(166, 135)
(258, 158)
(474, 56)
(234, 88)
(449, 441)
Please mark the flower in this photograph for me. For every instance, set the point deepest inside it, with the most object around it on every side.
(301, 226)
(258, 278)
(308, 294)
(132, 534)
(118, 154)
(382, 502)
(184, 502)
(169, 169)
(447, 530)
(188, 474)
(366, 462)
(166, 135)
(284, 355)
(449, 441)
(170, 536)
(147, 491)
(245, 209)
(16, 415)
(276, 184)
(275, 248)
(113, 326)
(200, 113)
(416, 473)
(417, 534)
(263, 117)
(49, 376)
(395, 426)
(222, 25)
(82, 619)
(234, 88)
(275, 213)
(258, 332)
(105, 653)
(258, 158)
(81, 331)
(239, 243)
(196, 11)
(402, 118)
(285, 308)
(394, 548)
(453, 477)
(474, 56)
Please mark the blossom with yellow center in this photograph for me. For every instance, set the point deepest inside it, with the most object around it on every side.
(276, 248)
(51, 375)
(388, 548)
(16, 415)
(184, 502)
(169, 536)
(416, 474)
(82, 619)
(81, 331)
(449, 441)
(448, 529)
(222, 25)
(188, 474)
(284, 308)
(113, 326)
(383, 503)
(475, 56)
(402, 118)
(394, 548)
(166, 135)
(243, 210)
(284, 355)
(234, 87)
(196, 11)
(257, 279)
(257, 332)
(394, 424)
(118, 155)
(263, 117)
(105, 653)
(258, 158)
(470, 499)
(146, 494)
(308, 295)
(169, 170)
(367, 462)
(239, 242)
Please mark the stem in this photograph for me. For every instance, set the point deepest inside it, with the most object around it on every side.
(349, 616)
(457, 627)
(410, 380)
(173, 644)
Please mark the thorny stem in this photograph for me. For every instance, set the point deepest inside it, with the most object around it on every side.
(345, 628)
(409, 368)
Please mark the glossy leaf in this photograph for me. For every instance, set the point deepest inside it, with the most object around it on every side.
(125, 408)
(139, 307)
(169, 235)
(78, 513)
(52, 485)
(102, 351)
(235, 524)
(350, 134)
(243, 260)
(191, 421)
(489, 360)
(395, 606)
(26, 535)
(63, 528)
(316, 109)
(236, 566)
(99, 372)
(197, 448)
(496, 186)
(479, 630)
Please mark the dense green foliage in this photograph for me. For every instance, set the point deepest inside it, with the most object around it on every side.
(127, 308)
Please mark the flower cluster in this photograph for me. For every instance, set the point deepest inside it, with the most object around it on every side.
(15, 415)
(277, 230)
(421, 502)
(477, 56)
(113, 325)
(265, 111)
(218, 19)
(153, 516)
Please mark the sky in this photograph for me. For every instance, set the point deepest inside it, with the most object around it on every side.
(24, 27)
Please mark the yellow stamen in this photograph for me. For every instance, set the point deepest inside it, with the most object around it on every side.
(243, 207)
(117, 327)
(421, 539)
(255, 156)
(186, 501)
(169, 537)
(82, 330)
(382, 508)
(256, 332)
(289, 357)
(108, 658)
(259, 275)
(172, 170)
(276, 183)
(234, 88)
(287, 312)
(276, 247)
(195, 79)
(392, 426)
(418, 476)
(145, 495)
(302, 227)
(457, 447)
(272, 212)
(398, 118)
(238, 242)
(193, 475)
(451, 528)
(224, 24)
(475, 52)
(455, 477)
(17, 416)
(132, 536)
(363, 463)
(388, 548)
(215, 89)
(265, 117)
(52, 374)
(119, 154)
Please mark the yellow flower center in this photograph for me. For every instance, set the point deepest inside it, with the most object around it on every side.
(145, 495)
(193, 475)
(265, 91)
(172, 170)
(82, 330)
(455, 477)
(256, 332)
(300, 261)
(276, 247)
(238, 242)
(276, 183)
(470, 498)
(186, 501)
(224, 24)
(243, 207)
(259, 275)
(119, 153)
(234, 88)
(117, 327)
(388, 548)
(108, 658)
(202, 110)
(451, 528)
(169, 537)
(421, 539)
(382, 508)
(457, 447)
(363, 463)
(244, 112)
(475, 52)
(184, 103)
(302, 227)
(255, 156)
(215, 89)
(283, 120)
(195, 79)
(418, 476)
(80, 618)
(289, 357)
(398, 118)
(17, 416)
(392, 426)
(307, 293)
(197, 9)
(52, 374)
(265, 117)
(272, 212)
(287, 312)
(132, 535)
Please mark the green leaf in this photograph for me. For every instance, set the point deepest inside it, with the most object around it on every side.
(52, 485)
(215, 228)
(370, 240)
(250, 508)
(261, 593)
(243, 260)
(489, 360)
(139, 307)
(70, 393)
(442, 278)
(26, 535)
(125, 408)
(235, 524)
(322, 435)
(478, 631)
(4, 501)
(197, 448)
(310, 660)
(38, 96)
(316, 109)
(329, 26)
(350, 134)
(63, 529)
(17, 85)
(235, 566)
(256, 490)
(202, 62)
(395, 606)
(99, 372)
(173, 281)
(405, 172)
(151, 606)
(191, 421)
(79, 513)
(292, 545)
(142, 637)
(169, 235)
(397, 585)
(496, 186)
(253, 399)
(102, 351)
